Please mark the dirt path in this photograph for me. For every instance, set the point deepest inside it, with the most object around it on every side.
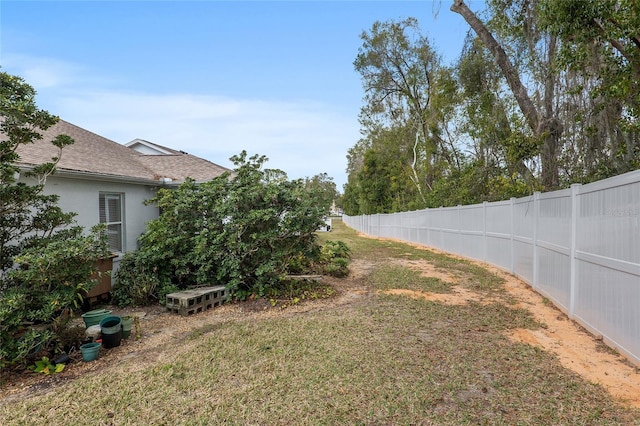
(575, 348)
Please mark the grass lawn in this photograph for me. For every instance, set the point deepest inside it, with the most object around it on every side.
(363, 357)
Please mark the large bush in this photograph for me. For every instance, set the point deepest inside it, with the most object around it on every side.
(138, 282)
(240, 230)
(47, 284)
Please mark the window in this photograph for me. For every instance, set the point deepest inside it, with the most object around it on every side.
(111, 215)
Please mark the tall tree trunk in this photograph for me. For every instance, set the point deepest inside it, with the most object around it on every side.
(546, 127)
(550, 128)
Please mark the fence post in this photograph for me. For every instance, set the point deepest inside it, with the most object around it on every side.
(459, 239)
(575, 190)
(512, 208)
(536, 213)
(484, 231)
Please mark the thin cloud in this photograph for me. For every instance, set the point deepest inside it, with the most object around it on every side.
(303, 138)
(44, 73)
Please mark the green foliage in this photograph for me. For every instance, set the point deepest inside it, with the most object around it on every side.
(136, 281)
(334, 258)
(24, 210)
(381, 178)
(57, 271)
(240, 230)
(46, 367)
(50, 279)
(475, 183)
(46, 265)
(600, 52)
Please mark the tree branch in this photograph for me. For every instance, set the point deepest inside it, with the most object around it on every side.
(513, 79)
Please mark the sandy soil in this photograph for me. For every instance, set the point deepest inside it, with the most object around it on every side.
(575, 348)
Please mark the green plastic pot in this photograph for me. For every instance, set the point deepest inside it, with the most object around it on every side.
(90, 351)
(127, 323)
(94, 317)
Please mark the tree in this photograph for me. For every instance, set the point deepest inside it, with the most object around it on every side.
(613, 24)
(540, 118)
(45, 263)
(500, 147)
(24, 210)
(581, 63)
(600, 58)
(380, 176)
(402, 78)
(323, 189)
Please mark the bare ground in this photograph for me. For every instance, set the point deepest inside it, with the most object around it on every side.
(575, 348)
(572, 345)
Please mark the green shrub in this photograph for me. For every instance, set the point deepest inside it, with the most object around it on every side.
(137, 282)
(50, 280)
(245, 230)
(240, 230)
(163, 290)
(334, 258)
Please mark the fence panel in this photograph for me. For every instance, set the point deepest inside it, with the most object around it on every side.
(553, 243)
(608, 261)
(449, 223)
(471, 226)
(523, 235)
(499, 234)
(580, 247)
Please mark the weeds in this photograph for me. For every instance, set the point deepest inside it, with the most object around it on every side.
(293, 291)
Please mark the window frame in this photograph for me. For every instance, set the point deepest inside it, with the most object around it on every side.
(104, 213)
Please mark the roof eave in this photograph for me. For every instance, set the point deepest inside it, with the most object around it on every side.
(81, 174)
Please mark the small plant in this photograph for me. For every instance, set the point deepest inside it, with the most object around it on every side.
(46, 366)
(136, 327)
(334, 258)
(69, 336)
(136, 281)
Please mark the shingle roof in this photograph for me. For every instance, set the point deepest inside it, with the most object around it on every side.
(94, 154)
(179, 166)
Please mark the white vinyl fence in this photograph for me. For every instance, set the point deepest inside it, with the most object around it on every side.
(579, 247)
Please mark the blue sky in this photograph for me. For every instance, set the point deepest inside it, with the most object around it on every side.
(211, 78)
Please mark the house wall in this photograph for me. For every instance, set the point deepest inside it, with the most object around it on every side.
(80, 195)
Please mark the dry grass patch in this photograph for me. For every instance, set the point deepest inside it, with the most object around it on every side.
(379, 359)
(396, 361)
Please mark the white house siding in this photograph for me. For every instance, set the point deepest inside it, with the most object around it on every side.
(80, 195)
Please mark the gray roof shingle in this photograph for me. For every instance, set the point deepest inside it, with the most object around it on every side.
(94, 154)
